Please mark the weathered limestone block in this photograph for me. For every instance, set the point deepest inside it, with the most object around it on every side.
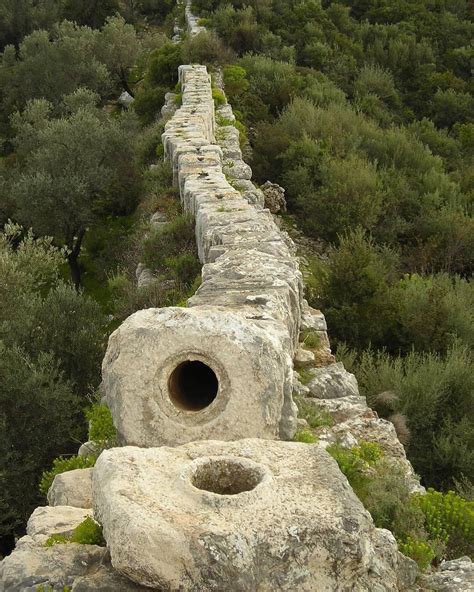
(237, 169)
(72, 488)
(144, 276)
(176, 375)
(31, 566)
(274, 197)
(89, 449)
(249, 192)
(125, 99)
(79, 568)
(453, 576)
(192, 21)
(48, 520)
(342, 409)
(312, 319)
(104, 578)
(333, 382)
(303, 357)
(240, 516)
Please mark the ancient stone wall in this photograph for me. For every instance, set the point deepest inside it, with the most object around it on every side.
(240, 329)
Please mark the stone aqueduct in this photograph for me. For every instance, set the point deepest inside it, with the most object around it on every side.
(206, 491)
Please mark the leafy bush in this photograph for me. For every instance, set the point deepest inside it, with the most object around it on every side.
(355, 461)
(184, 267)
(174, 238)
(56, 539)
(163, 66)
(312, 415)
(218, 97)
(206, 48)
(355, 290)
(305, 436)
(88, 532)
(450, 519)
(418, 550)
(148, 103)
(435, 394)
(101, 425)
(310, 338)
(62, 465)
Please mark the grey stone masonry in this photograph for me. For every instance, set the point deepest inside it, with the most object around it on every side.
(221, 368)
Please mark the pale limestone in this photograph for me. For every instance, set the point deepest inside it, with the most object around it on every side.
(251, 364)
(48, 520)
(333, 382)
(72, 488)
(173, 519)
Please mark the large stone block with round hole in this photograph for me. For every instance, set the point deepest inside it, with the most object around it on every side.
(176, 375)
(242, 516)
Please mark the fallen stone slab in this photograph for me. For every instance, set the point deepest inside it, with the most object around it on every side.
(72, 488)
(31, 566)
(48, 520)
(453, 576)
(333, 382)
(240, 516)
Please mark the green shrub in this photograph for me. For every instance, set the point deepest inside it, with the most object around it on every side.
(148, 103)
(88, 532)
(101, 425)
(172, 239)
(304, 375)
(355, 290)
(185, 267)
(419, 550)
(235, 81)
(435, 394)
(305, 436)
(206, 48)
(354, 462)
(61, 465)
(163, 66)
(218, 97)
(313, 416)
(310, 338)
(450, 519)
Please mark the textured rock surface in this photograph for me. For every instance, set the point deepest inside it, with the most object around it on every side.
(185, 518)
(47, 520)
(332, 382)
(274, 197)
(333, 391)
(453, 576)
(80, 568)
(72, 488)
(246, 311)
(251, 366)
(125, 99)
(33, 565)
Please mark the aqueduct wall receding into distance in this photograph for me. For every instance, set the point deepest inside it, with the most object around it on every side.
(205, 492)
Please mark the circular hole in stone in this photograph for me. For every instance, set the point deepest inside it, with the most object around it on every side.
(192, 386)
(226, 477)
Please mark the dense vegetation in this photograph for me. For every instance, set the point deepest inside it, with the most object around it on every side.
(73, 168)
(363, 111)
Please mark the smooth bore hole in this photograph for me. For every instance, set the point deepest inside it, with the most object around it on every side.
(226, 477)
(192, 386)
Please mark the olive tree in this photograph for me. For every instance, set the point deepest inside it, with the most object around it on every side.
(51, 345)
(72, 169)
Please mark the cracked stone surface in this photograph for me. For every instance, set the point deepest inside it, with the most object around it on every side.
(185, 519)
